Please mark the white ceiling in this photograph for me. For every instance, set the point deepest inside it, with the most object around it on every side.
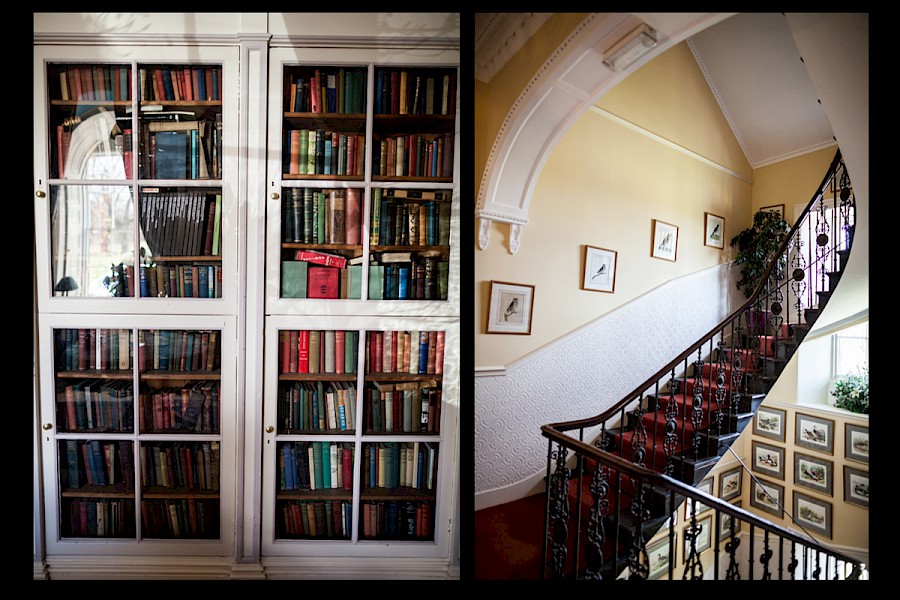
(750, 61)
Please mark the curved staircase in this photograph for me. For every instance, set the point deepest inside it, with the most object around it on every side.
(655, 445)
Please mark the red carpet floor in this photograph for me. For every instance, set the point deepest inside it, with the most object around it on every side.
(508, 539)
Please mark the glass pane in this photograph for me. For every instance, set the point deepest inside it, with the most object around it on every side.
(180, 129)
(321, 248)
(89, 121)
(94, 385)
(852, 350)
(97, 488)
(315, 490)
(92, 240)
(397, 492)
(179, 385)
(181, 242)
(410, 244)
(180, 483)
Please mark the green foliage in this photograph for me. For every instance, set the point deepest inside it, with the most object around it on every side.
(756, 246)
(852, 392)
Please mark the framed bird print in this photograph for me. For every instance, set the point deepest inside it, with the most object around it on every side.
(510, 308)
(714, 231)
(599, 270)
(665, 240)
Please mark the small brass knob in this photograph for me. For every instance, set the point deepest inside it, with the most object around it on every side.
(48, 426)
(275, 196)
(270, 429)
(40, 193)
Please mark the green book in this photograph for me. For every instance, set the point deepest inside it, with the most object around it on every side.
(355, 282)
(323, 215)
(293, 278)
(326, 465)
(376, 282)
(375, 227)
(217, 226)
(303, 158)
(443, 276)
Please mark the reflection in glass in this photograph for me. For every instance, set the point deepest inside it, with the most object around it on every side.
(92, 240)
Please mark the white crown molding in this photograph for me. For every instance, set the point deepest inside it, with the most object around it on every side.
(499, 36)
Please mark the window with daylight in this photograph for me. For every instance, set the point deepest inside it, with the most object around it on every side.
(850, 350)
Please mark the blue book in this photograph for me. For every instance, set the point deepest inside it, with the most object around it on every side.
(286, 456)
(215, 82)
(163, 343)
(72, 462)
(167, 83)
(188, 282)
(203, 276)
(379, 87)
(195, 154)
(373, 465)
(403, 282)
(423, 352)
(326, 464)
(171, 154)
(145, 288)
(201, 83)
(327, 151)
(189, 353)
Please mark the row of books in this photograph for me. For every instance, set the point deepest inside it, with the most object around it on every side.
(391, 465)
(181, 223)
(95, 83)
(315, 466)
(408, 407)
(328, 519)
(187, 409)
(397, 520)
(329, 90)
(408, 276)
(323, 152)
(417, 352)
(398, 220)
(96, 406)
(414, 155)
(184, 465)
(322, 216)
(102, 518)
(318, 351)
(180, 149)
(178, 350)
(181, 83)
(180, 281)
(87, 349)
(305, 279)
(180, 518)
(402, 92)
(317, 406)
(95, 463)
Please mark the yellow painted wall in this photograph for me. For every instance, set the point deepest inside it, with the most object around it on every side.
(603, 185)
(494, 99)
(791, 181)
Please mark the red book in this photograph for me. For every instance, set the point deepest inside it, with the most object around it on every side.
(432, 350)
(159, 86)
(128, 151)
(321, 258)
(323, 282)
(195, 83)
(394, 352)
(187, 83)
(379, 352)
(294, 164)
(209, 84)
(351, 155)
(339, 349)
(352, 216)
(347, 468)
(439, 353)
(303, 351)
(75, 91)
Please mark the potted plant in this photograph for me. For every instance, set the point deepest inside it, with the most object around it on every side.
(756, 247)
(851, 392)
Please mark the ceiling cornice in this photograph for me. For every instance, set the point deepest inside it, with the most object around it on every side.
(498, 36)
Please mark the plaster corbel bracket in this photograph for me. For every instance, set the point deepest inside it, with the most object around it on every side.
(485, 219)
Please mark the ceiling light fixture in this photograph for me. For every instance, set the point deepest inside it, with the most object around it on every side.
(630, 48)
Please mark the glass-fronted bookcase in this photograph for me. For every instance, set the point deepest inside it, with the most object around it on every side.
(361, 405)
(137, 284)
